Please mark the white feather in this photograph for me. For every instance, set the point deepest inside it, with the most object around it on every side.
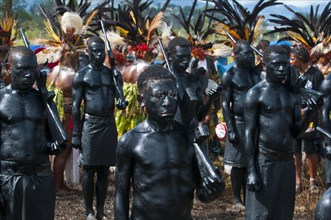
(114, 38)
(71, 20)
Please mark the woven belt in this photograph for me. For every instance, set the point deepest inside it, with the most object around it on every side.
(99, 119)
(276, 155)
(14, 168)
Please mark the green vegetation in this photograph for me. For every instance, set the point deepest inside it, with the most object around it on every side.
(27, 16)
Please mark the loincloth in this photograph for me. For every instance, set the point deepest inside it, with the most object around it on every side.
(99, 140)
(234, 153)
(27, 196)
(277, 190)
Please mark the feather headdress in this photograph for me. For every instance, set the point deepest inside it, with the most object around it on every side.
(221, 50)
(137, 29)
(68, 27)
(314, 32)
(67, 17)
(197, 31)
(238, 21)
(71, 20)
(8, 33)
(8, 30)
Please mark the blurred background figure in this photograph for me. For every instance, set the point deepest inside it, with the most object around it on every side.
(65, 47)
(323, 64)
(8, 34)
(259, 60)
(311, 140)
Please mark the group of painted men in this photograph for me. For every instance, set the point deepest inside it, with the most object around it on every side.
(163, 159)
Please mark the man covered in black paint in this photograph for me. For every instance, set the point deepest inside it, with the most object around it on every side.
(27, 189)
(273, 122)
(236, 82)
(157, 158)
(95, 134)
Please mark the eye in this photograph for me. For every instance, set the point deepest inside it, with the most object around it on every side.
(173, 94)
(159, 96)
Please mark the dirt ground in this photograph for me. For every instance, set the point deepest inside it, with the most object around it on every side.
(71, 206)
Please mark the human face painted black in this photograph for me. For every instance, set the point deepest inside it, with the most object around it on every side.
(245, 57)
(277, 67)
(181, 59)
(23, 72)
(97, 53)
(160, 100)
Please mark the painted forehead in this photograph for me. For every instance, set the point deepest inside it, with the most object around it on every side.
(276, 55)
(168, 82)
(96, 43)
(183, 49)
(20, 56)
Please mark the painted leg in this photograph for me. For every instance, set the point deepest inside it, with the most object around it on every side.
(101, 189)
(88, 188)
(237, 178)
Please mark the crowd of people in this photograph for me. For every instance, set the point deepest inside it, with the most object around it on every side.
(275, 101)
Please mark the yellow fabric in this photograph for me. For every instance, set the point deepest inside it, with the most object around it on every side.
(133, 114)
(58, 99)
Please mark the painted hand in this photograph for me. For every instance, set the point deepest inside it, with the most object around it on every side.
(211, 188)
(328, 152)
(253, 181)
(233, 137)
(76, 141)
(53, 148)
(121, 103)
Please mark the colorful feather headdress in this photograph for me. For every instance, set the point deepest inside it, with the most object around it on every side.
(238, 21)
(197, 32)
(137, 28)
(68, 27)
(8, 30)
(313, 32)
(69, 24)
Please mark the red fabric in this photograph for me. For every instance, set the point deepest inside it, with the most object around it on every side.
(39, 49)
(52, 65)
(70, 124)
(49, 65)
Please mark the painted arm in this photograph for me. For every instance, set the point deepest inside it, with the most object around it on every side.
(77, 97)
(118, 81)
(326, 108)
(226, 106)
(208, 188)
(122, 179)
(251, 120)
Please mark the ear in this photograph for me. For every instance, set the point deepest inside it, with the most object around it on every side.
(141, 100)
